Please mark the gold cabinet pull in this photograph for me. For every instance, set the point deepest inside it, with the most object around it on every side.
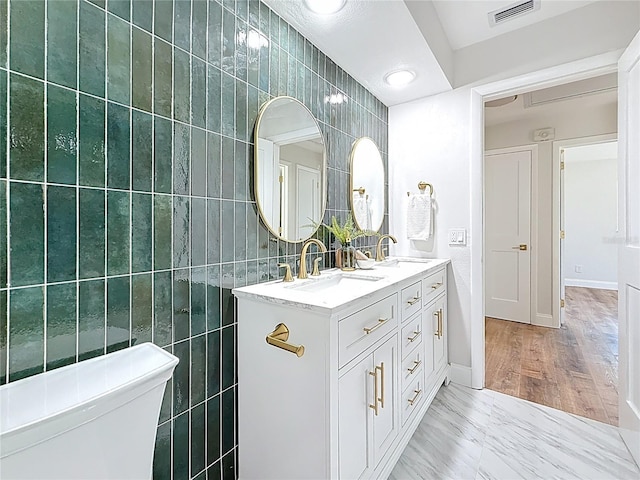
(415, 335)
(374, 374)
(415, 397)
(381, 321)
(413, 300)
(436, 285)
(416, 364)
(278, 338)
(381, 399)
(439, 314)
(441, 322)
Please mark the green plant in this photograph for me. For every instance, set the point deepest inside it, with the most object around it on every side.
(348, 230)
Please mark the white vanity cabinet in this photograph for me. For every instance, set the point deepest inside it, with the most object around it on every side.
(348, 405)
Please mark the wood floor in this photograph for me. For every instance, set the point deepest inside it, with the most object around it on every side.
(574, 368)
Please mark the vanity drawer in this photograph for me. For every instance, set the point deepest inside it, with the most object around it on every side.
(411, 400)
(412, 368)
(411, 335)
(359, 331)
(434, 285)
(410, 300)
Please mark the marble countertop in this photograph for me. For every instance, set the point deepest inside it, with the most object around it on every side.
(334, 288)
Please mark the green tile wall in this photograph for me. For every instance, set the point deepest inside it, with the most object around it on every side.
(126, 207)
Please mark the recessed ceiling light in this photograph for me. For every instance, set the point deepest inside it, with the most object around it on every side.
(399, 78)
(325, 7)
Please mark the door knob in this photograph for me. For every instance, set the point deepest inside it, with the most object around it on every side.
(522, 246)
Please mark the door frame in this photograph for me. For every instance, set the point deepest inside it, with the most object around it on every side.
(558, 198)
(569, 72)
(533, 223)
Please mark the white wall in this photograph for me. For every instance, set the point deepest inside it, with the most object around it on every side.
(590, 193)
(580, 117)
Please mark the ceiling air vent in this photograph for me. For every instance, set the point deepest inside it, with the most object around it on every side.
(512, 11)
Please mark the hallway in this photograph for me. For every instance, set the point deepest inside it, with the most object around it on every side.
(574, 368)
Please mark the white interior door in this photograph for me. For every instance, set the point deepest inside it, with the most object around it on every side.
(629, 250)
(507, 234)
(308, 200)
(563, 272)
(268, 164)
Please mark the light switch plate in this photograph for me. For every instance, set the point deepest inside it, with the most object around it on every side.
(457, 236)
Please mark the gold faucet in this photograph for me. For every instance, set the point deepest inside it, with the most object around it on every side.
(379, 252)
(302, 271)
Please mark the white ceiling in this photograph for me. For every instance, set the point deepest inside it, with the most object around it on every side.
(466, 22)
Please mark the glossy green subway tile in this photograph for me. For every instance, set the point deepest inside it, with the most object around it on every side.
(264, 69)
(198, 431)
(214, 115)
(26, 332)
(163, 141)
(118, 314)
(253, 61)
(61, 234)
(27, 234)
(214, 46)
(227, 234)
(92, 233)
(241, 111)
(228, 109)
(162, 452)
(228, 41)
(118, 148)
(121, 8)
(61, 135)
(274, 70)
(163, 19)
(181, 159)
(92, 49)
(198, 162)
(181, 444)
(142, 164)
(240, 231)
(118, 236)
(198, 301)
(165, 407)
(198, 231)
(163, 78)
(214, 165)
(118, 59)
(142, 70)
(214, 353)
(228, 415)
(198, 370)
(214, 228)
(181, 310)
(162, 212)
(228, 168)
(213, 297)
(228, 356)
(182, 24)
(3, 54)
(162, 309)
(252, 231)
(3, 236)
(198, 92)
(26, 128)
(61, 324)
(228, 466)
(91, 163)
(141, 232)
(240, 171)
(91, 319)
(228, 306)
(240, 273)
(242, 9)
(181, 381)
(241, 50)
(62, 63)
(3, 123)
(254, 13)
(141, 308)
(199, 29)
(143, 14)
(4, 316)
(213, 432)
(27, 37)
(181, 85)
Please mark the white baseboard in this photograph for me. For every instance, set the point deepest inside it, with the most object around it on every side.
(544, 320)
(576, 282)
(460, 374)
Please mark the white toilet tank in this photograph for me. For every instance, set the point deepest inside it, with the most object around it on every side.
(95, 419)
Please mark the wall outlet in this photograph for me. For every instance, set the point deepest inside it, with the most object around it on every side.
(578, 268)
(457, 236)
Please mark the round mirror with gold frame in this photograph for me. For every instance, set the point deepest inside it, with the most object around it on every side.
(290, 169)
(367, 185)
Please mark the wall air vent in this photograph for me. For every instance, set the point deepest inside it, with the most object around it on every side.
(512, 11)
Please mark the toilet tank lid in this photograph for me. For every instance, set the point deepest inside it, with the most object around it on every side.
(36, 398)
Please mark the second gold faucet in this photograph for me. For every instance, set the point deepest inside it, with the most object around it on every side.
(302, 271)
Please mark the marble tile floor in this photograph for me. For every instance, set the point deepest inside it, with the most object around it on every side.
(482, 434)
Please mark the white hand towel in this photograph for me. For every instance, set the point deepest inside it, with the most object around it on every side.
(361, 211)
(419, 224)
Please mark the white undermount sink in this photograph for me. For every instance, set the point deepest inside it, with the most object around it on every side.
(399, 261)
(338, 280)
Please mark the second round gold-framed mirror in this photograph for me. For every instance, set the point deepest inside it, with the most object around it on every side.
(367, 184)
